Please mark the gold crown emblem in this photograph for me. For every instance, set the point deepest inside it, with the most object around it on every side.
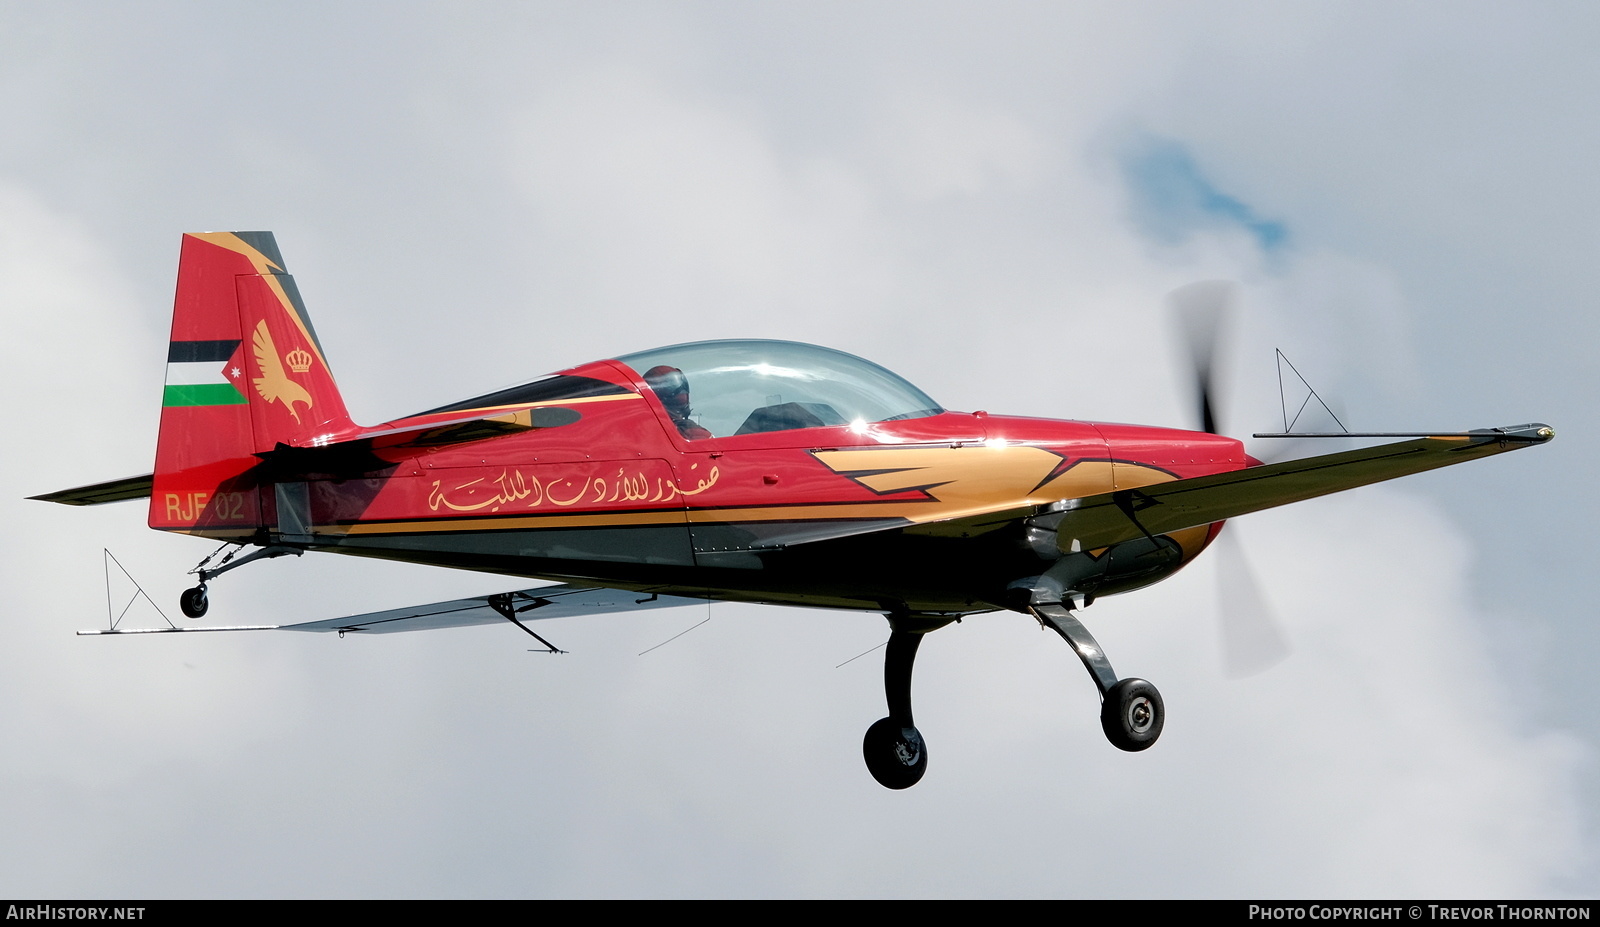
(299, 360)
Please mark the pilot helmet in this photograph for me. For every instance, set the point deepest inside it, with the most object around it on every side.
(671, 386)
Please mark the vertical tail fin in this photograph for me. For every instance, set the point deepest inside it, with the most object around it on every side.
(245, 373)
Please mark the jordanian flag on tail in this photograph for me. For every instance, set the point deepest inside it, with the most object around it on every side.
(204, 373)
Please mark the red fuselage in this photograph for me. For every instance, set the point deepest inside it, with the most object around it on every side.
(611, 490)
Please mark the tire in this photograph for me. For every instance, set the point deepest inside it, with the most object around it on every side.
(1132, 715)
(896, 756)
(193, 602)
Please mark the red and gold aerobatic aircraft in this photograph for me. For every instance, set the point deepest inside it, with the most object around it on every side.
(748, 471)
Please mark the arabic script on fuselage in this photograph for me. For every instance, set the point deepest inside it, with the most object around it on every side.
(524, 490)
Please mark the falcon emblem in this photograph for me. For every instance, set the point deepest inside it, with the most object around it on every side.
(274, 384)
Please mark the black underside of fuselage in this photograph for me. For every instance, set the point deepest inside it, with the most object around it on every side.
(890, 570)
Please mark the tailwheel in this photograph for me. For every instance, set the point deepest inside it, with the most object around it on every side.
(1132, 715)
(896, 756)
(193, 601)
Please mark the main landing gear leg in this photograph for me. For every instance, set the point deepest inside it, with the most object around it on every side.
(1131, 712)
(893, 748)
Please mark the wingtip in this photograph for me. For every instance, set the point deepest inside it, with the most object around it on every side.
(1531, 433)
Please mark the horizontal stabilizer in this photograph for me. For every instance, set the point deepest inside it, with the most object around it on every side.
(337, 456)
(562, 601)
(132, 487)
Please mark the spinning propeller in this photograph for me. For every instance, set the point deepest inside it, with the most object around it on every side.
(1252, 641)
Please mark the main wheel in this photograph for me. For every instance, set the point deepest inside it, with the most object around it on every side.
(1132, 715)
(895, 755)
(193, 602)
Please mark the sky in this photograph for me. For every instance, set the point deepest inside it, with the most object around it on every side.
(993, 200)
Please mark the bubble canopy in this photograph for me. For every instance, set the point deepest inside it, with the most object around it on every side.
(749, 387)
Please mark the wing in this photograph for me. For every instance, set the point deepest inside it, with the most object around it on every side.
(543, 602)
(1113, 517)
(1109, 518)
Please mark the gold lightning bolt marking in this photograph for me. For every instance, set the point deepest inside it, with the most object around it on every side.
(972, 478)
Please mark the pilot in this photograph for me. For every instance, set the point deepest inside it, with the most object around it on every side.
(672, 387)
